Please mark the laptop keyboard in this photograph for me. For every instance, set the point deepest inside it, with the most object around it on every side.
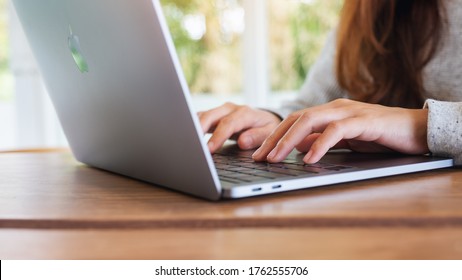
(239, 167)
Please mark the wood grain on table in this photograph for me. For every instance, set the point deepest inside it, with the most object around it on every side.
(52, 190)
(52, 207)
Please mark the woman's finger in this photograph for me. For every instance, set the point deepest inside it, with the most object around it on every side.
(351, 128)
(308, 123)
(305, 145)
(228, 126)
(254, 137)
(271, 141)
(209, 119)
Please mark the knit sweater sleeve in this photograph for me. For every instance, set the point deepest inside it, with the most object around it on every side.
(321, 84)
(444, 136)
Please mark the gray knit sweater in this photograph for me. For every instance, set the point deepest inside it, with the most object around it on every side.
(442, 82)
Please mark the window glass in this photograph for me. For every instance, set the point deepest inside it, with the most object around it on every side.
(7, 108)
(6, 81)
(297, 32)
(208, 36)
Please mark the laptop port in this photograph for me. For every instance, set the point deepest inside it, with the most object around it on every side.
(276, 187)
(256, 189)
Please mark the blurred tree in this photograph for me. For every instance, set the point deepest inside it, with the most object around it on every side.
(211, 63)
(6, 80)
(298, 30)
(211, 54)
(212, 60)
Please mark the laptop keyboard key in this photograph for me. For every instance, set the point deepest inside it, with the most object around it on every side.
(239, 167)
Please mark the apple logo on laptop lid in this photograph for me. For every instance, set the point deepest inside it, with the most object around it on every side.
(74, 46)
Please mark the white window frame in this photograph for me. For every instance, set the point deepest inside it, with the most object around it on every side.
(36, 121)
(37, 124)
(255, 57)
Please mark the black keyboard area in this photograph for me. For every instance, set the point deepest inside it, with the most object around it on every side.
(239, 167)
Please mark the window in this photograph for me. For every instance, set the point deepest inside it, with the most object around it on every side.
(7, 117)
(252, 51)
(298, 30)
(208, 38)
(247, 51)
(6, 81)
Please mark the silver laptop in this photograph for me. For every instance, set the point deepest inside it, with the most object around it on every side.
(114, 78)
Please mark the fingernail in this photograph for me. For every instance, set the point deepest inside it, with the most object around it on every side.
(308, 156)
(256, 153)
(246, 142)
(273, 154)
(211, 145)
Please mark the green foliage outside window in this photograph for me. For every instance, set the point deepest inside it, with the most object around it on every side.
(6, 80)
(297, 30)
(212, 60)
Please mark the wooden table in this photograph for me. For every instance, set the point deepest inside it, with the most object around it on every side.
(52, 207)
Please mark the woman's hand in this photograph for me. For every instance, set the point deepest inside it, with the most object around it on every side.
(347, 124)
(249, 126)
